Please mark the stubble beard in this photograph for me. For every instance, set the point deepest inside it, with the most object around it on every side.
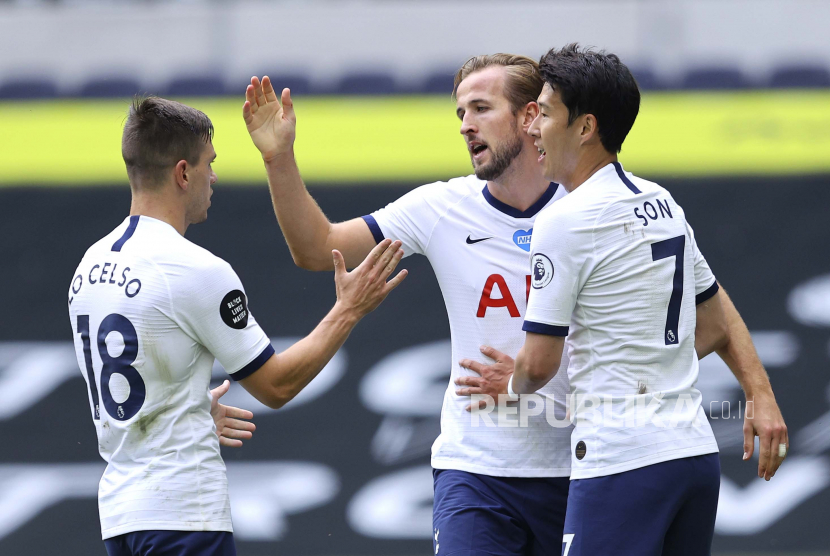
(502, 159)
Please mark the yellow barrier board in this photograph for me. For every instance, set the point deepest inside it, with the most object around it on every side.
(416, 138)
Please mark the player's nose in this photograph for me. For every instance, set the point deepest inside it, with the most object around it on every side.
(533, 130)
(467, 126)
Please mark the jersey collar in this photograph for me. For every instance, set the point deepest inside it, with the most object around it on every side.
(516, 213)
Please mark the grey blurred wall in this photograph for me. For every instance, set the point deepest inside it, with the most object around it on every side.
(153, 42)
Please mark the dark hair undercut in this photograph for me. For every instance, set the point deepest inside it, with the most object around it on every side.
(598, 83)
(158, 134)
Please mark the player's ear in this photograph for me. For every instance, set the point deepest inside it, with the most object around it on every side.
(181, 172)
(590, 128)
(531, 110)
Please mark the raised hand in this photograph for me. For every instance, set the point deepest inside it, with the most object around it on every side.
(492, 379)
(363, 289)
(229, 428)
(272, 125)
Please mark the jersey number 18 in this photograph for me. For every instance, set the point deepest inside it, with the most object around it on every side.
(127, 408)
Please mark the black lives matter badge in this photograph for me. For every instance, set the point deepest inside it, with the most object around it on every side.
(234, 310)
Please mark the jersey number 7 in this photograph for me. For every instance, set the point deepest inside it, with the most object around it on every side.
(674, 247)
(125, 408)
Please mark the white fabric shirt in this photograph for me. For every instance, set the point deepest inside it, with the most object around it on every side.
(149, 311)
(479, 249)
(616, 269)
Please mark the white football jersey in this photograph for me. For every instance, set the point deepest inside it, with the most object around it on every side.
(149, 312)
(479, 249)
(616, 269)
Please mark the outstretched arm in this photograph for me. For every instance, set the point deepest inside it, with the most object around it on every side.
(721, 328)
(309, 234)
(358, 293)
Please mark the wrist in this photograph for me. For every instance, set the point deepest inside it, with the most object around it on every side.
(349, 316)
(280, 158)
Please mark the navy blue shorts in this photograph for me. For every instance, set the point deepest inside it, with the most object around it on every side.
(667, 509)
(172, 543)
(478, 515)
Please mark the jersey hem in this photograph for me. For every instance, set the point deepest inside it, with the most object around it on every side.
(708, 448)
(254, 365)
(542, 328)
(189, 526)
(438, 463)
(707, 294)
(377, 233)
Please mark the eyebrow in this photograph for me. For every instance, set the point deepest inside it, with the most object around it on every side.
(459, 110)
(543, 104)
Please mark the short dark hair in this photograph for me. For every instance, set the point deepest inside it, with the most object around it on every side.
(598, 83)
(158, 134)
(522, 85)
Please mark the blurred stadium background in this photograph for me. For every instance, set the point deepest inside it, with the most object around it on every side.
(735, 121)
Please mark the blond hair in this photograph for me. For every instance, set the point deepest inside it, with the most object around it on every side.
(522, 85)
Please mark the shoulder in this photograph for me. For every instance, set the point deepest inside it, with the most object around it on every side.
(433, 200)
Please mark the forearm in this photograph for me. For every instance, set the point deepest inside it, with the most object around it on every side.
(536, 364)
(739, 353)
(300, 363)
(305, 227)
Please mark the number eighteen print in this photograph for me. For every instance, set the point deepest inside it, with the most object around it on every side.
(122, 364)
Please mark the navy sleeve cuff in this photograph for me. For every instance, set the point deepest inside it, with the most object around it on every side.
(254, 365)
(373, 226)
(707, 294)
(549, 329)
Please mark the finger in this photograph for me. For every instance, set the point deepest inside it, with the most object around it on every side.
(495, 354)
(469, 381)
(288, 105)
(472, 365)
(227, 442)
(268, 90)
(373, 256)
(220, 390)
(233, 433)
(775, 459)
(236, 424)
(260, 96)
(469, 391)
(481, 405)
(385, 257)
(390, 266)
(247, 114)
(237, 412)
(250, 96)
(749, 440)
(764, 451)
(339, 264)
(396, 281)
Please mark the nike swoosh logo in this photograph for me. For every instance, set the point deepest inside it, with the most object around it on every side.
(470, 241)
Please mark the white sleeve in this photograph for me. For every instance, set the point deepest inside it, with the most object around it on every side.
(705, 284)
(411, 218)
(213, 306)
(561, 254)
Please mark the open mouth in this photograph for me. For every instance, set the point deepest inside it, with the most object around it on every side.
(477, 150)
(541, 153)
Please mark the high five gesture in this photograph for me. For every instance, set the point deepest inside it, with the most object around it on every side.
(272, 125)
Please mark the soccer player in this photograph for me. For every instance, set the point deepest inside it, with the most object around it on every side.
(497, 490)
(617, 271)
(150, 311)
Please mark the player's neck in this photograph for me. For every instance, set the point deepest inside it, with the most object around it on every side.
(521, 185)
(155, 206)
(587, 166)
